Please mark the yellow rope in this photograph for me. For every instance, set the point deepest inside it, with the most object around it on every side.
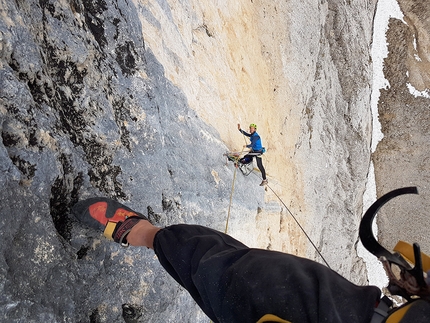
(231, 197)
(232, 187)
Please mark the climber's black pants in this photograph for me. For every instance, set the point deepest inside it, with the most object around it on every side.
(260, 166)
(234, 283)
(248, 158)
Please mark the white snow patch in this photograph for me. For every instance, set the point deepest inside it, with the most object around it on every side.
(415, 43)
(416, 93)
(416, 56)
(376, 273)
(385, 10)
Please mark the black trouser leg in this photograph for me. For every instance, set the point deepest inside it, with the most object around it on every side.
(260, 166)
(197, 258)
(246, 159)
(236, 284)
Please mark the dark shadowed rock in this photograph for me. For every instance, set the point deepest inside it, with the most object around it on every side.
(88, 107)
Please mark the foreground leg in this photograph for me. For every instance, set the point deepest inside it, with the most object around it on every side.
(231, 282)
(197, 258)
(142, 234)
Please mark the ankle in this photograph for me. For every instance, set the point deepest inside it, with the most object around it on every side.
(142, 234)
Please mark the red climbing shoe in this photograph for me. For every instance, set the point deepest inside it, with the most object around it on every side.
(114, 219)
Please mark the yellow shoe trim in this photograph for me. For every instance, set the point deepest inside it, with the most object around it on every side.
(109, 229)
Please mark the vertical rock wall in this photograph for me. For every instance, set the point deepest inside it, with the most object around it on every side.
(301, 71)
(402, 157)
(326, 65)
(137, 101)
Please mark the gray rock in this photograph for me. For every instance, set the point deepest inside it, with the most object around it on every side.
(77, 121)
(88, 109)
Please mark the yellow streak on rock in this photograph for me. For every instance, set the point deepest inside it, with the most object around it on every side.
(213, 52)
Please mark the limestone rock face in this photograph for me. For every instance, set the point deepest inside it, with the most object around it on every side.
(138, 101)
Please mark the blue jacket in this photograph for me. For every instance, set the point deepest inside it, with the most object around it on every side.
(256, 144)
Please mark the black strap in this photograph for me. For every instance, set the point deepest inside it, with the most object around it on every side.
(122, 229)
(381, 311)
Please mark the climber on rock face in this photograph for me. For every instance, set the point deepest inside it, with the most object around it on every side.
(233, 283)
(256, 151)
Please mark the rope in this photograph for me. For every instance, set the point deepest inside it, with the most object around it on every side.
(298, 223)
(231, 198)
(282, 202)
(232, 188)
(301, 228)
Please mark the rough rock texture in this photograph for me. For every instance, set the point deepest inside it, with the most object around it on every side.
(301, 69)
(138, 100)
(402, 158)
